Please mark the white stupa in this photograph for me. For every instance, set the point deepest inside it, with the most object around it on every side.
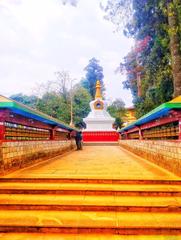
(99, 119)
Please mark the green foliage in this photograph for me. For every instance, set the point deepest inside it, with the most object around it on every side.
(30, 101)
(117, 110)
(55, 106)
(81, 107)
(94, 72)
(151, 56)
(57, 97)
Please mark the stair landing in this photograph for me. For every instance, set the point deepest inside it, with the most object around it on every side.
(96, 162)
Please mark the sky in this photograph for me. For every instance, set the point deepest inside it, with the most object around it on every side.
(41, 37)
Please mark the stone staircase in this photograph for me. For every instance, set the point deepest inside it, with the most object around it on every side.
(51, 208)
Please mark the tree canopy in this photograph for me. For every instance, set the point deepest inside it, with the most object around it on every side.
(30, 101)
(56, 99)
(94, 72)
(153, 66)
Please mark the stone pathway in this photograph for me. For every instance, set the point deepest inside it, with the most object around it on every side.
(105, 162)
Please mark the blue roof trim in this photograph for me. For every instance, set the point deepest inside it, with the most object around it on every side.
(38, 118)
(161, 112)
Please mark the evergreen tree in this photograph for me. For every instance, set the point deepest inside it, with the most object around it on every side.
(94, 72)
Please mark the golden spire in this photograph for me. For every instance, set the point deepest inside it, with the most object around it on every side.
(98, 90)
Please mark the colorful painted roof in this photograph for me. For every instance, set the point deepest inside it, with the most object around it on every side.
(25, 111)
(156, 113)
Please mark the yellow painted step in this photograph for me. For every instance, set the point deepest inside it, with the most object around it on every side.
(39, 199)
(54, 236)
(91, 186)
(89, 219)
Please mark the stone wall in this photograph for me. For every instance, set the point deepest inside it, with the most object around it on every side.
(14, 155)
(166, 154)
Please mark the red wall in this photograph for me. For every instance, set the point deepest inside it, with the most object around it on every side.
(100, 136)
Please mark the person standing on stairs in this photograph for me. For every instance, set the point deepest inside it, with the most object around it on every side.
(78, 140)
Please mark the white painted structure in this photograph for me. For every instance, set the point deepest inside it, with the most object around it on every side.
(99, 119)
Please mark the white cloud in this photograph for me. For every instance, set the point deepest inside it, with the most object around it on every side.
(39, 37)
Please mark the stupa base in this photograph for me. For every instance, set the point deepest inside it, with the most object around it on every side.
(100, 136)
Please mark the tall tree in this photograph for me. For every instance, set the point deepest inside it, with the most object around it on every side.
(94, 72)
(154, 24)
(64, 100)
(62, 85)
(173, 21)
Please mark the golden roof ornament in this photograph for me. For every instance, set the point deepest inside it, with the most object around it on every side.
(98, 90)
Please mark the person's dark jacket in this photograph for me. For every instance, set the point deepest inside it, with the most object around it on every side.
(78, 136)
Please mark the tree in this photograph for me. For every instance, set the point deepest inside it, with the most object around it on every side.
(173, 22)
(30, 101)
(148, 65)
(120, 12)
(94, 72)
(57, 97)
(55, 106)
(117, 110)
(62, 85)
(64, 100)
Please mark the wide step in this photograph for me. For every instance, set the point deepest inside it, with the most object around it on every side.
(91, 189)
(87, 236)
(90, 209)
(107, 222)
(89, 203)
(90, 180)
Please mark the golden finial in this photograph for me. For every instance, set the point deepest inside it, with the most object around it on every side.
(98, 90)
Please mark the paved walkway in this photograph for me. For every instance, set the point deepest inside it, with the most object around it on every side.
(102, 162)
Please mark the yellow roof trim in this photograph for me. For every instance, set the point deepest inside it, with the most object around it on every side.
(4, 99)
(176, 100)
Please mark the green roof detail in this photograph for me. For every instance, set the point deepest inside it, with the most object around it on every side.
(156, 113)
(21, 109)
